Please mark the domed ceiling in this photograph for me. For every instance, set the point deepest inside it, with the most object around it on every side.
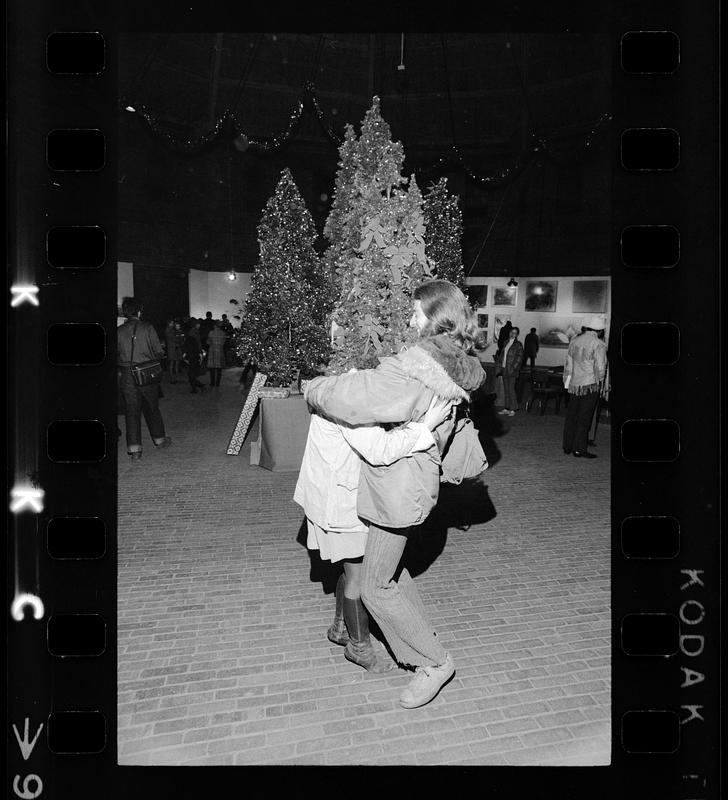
(518, 124)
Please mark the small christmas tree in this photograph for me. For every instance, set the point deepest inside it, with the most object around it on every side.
(444, 224)
(377, 229)
(283, 328)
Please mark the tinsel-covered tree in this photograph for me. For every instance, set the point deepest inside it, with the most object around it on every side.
(342, 237)
(377, 229)
(284, 326)
(444, 225)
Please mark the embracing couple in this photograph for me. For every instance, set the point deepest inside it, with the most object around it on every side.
(371, 472)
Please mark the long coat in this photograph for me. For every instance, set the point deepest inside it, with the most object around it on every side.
(216, 349)
(514, 358)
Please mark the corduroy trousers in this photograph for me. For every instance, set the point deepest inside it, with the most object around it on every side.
(394, 602)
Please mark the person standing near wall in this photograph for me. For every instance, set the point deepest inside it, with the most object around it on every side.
(584, 373)
(216, 353)
(530, 347)
(192, 355)
(175, 338)
(137, 342)
(511, 360)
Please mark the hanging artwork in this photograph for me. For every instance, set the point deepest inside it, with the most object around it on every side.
(477, 295)
(590, 297)
(541, 295)
(482, 320)
(504, 295)
(499, 320)
(558, 331)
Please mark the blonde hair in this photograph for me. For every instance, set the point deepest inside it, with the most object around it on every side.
(447, 311)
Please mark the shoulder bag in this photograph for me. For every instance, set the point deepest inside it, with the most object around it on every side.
(148, 371)
(463, 456)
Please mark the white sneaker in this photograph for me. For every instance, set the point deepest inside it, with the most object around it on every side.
(426, 683)
(511, 413)
(503, 411)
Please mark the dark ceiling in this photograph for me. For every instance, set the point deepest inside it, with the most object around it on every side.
(493, 96)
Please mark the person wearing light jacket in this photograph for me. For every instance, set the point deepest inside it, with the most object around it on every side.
(584, 373)
(327, 491)
(396, 497)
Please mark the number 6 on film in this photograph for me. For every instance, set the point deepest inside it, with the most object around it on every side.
(26, 793)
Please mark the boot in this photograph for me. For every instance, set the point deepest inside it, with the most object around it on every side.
(360, 650)
(337, 631)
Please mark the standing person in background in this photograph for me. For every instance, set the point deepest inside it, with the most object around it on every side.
(206, 326)
(530, 347)
(168, 328)
(175, 339)
(216, 353)
(584, 373)
(192, 355)
(137, 342)
(503, 336)
(511, 360)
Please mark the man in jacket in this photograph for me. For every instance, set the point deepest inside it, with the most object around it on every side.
(137, 342)
(584, 373)
(511, 360)
(530, 347)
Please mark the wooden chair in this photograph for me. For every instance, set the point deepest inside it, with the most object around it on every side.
(544, 388)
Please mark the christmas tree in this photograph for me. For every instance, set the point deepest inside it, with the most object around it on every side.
(342, 237)
(283, 328)
(376, 229)
(444, 224)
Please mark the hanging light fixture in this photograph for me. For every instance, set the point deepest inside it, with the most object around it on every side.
(512, 283)
(232, 275)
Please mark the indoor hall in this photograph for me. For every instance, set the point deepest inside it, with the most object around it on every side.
(223, 655)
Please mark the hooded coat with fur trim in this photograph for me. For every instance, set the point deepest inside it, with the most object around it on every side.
(400, 390)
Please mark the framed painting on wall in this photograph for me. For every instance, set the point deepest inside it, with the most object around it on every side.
(590, 297)
(541, 295)
(504, 295)
(482, 320)
(558, 331)
(477, 294)
(499, 320)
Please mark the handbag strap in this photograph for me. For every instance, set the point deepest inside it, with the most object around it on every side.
(133, 339)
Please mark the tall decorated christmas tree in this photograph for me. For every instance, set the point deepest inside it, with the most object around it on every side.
(377, 230)
(444, 224)
(284, 326)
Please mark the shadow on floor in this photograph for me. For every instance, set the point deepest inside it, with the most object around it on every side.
(490, 426)
(458, 508)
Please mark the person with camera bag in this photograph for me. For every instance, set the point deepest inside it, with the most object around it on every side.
(139, 356)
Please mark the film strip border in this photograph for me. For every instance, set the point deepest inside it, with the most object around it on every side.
(665, 643)
(62, 499)
(63, 652)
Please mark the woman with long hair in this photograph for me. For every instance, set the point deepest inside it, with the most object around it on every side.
(395, 498)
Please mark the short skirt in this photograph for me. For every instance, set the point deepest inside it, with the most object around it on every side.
(336, 545)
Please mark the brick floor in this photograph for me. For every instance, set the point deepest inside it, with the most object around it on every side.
(223, 657)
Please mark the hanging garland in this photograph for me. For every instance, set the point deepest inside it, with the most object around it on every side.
(228, 123)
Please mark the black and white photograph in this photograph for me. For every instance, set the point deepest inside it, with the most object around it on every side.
(294, 348)
(351, 420)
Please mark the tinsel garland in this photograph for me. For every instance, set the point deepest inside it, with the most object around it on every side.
(229, 122)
